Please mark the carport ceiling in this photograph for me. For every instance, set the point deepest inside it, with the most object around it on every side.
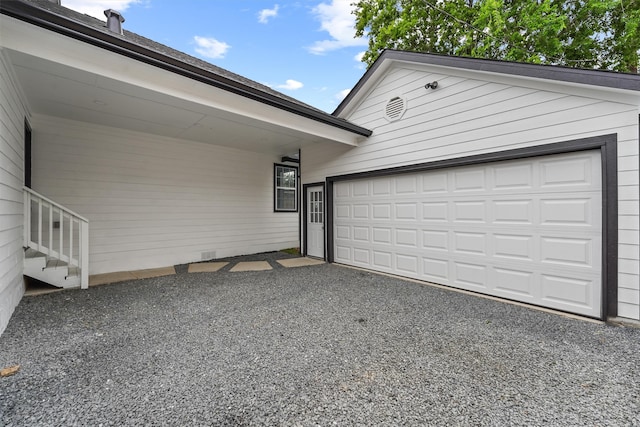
(61, 91)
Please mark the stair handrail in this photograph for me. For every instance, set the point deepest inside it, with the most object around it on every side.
(41, 246)
(57, 205)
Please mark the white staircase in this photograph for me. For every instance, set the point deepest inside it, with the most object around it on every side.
(56, 242)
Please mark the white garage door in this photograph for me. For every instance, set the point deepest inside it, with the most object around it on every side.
(527, 230)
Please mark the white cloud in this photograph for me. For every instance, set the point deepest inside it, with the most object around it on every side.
(342, 94)
(96, 8)
(358, 58)
(336, 19)
(265, 14)
(291, 85)
(210, 47)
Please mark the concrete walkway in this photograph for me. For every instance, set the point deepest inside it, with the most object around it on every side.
(317, 345)
(236, 264)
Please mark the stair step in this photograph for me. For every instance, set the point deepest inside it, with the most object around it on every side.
(50, 270)
(32, 253)
(55, 263)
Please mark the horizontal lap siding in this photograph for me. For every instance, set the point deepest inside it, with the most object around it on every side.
(628, 242)
(154, 201)
(465, 116)
(12, 114)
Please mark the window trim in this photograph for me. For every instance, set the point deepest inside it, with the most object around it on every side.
(276, 188)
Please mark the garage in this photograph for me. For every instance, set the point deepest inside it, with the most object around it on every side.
(527, 229)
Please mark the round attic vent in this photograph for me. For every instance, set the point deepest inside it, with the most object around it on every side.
(395, 108)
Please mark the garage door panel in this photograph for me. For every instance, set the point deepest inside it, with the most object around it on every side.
(513, 211)
(567, 251)
(567, 212)
(469, 211)
(361, 234)
(341, 190)
(435, 211)
(406, 184)
(343, 232)
(362, 256)
(469, 180)
(470, 243)
(406, 211)
(382, 260)
(343, 254)
(470, 276)
(435, 239)
(343, 212)
(360, 212)
(435, 269)
(528, 230)
(407, 237)
(435, 183)
(512, 283)
(559, 291)
(382, 211)
(407, 264)
(382, 235)
(381, 187)
(360, 189)
(514, 246)
(577, 172)
(513, 177)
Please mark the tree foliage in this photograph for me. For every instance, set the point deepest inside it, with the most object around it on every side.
(602, 34)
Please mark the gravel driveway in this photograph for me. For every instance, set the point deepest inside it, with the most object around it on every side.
(321, 345)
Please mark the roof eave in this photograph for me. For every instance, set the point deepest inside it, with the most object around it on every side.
(596, 78)
(62, 25)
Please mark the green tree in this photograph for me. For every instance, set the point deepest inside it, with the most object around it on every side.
(603, 34)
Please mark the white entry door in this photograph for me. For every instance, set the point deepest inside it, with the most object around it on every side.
(528, 230)
(315, 221)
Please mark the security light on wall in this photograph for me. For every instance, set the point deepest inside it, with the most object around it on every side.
(431, 85)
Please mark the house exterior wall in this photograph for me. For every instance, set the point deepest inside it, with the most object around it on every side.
(468, 114)
(12, 115)
(154, 201)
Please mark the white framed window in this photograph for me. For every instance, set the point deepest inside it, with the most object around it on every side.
(285, 192)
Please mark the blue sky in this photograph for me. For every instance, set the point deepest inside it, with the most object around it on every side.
(305, 49)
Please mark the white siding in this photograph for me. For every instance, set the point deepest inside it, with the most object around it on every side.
(154, 201)
(12, 115)
(466, 116)
(628, 224)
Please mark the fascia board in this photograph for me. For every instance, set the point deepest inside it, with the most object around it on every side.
(362, 88)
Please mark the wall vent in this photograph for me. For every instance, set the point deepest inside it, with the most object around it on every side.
(395, 108)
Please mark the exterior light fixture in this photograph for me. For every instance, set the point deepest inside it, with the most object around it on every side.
(431, 85)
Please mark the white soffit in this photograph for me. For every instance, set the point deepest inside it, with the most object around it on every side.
(71, 79)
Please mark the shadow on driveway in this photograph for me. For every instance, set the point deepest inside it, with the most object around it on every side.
(308, 346)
